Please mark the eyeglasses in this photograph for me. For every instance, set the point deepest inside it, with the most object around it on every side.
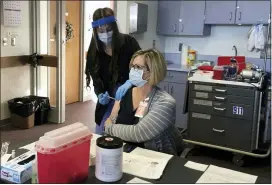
(104, 28)
(138, 67)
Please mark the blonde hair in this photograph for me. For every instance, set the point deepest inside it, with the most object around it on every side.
(156, 64)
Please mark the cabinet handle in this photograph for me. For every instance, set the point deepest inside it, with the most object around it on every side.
(221, 109)
(175, 28)
(219, 98)
(216, 130)
(230, 16)
(240, 15)
(220, 90)
(182, 27)
(172, 90)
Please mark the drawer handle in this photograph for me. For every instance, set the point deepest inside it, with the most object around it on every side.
(220, 90)
(170, 76)
(219, 98)
(216, 130)
(221, 109)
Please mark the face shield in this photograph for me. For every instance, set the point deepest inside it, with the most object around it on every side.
(104, 32)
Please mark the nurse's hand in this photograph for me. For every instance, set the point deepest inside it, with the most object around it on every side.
(121, 91)
(104, 98)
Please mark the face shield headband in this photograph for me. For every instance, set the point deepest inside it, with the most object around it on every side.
(103, 21)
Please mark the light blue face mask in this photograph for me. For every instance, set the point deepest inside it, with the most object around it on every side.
(106, 38)
(136, 77)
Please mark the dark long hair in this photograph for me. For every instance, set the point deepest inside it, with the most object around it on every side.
(97, 45)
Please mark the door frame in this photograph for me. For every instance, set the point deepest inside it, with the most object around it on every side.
(113, 5)
(81, 51)
(57, 114)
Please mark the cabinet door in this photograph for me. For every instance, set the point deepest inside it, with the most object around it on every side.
(168, 16)
(192, 18)
(163, 86)
(250, 12)
(220, 12)
(162, 17)
(177, 91)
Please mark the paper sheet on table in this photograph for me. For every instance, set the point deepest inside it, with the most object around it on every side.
(93, 145)
(145, 167)
(152, 154)
(5, 158)
(138, 181)
(196, 166)
(30, 147)
(215, 174)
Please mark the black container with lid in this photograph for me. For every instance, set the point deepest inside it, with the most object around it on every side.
(109, 142)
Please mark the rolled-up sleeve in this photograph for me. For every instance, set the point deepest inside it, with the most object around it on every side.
(160, 116)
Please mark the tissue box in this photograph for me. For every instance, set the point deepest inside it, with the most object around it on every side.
(19, 169)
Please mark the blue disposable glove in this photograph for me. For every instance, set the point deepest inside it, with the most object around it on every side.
(104, 98)
(121, 91)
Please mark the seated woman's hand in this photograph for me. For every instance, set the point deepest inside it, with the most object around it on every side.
(108, 122)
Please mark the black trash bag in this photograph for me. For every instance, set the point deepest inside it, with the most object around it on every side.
(41, 115)
(23, 107)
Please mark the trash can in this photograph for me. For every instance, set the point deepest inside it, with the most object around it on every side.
(22, 112)
(41, 114)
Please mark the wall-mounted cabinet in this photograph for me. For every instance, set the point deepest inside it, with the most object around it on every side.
(220, 12)
(250, 12)
(168, 17)
(237, 12)
(182, 18)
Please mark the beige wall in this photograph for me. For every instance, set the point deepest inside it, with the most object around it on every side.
(15, 82)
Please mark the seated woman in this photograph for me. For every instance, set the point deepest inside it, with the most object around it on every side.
(146, 114)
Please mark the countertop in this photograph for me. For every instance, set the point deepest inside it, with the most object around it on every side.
(178, 67)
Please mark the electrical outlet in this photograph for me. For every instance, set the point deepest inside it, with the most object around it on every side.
(5, 41)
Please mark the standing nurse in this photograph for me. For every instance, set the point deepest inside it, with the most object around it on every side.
(107, 63)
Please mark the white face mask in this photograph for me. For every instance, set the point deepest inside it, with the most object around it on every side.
(105, 37)
(136, 77)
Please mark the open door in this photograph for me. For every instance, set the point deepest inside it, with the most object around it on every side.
(49, 29)
(72, 56)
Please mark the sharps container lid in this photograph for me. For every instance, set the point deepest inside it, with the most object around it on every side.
(109, 142)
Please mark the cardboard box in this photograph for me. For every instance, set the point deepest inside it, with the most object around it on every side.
(19, 169)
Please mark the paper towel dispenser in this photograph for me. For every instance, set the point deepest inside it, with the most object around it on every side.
(138, 18)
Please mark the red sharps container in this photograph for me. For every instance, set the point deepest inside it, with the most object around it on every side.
(63, 155)
(218, 72)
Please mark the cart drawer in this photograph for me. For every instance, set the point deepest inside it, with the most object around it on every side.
(176, 76)
(216, 130)
(223, 89)
(231, 110)
(222, 98)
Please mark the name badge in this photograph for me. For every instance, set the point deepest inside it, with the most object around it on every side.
(141, 109)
